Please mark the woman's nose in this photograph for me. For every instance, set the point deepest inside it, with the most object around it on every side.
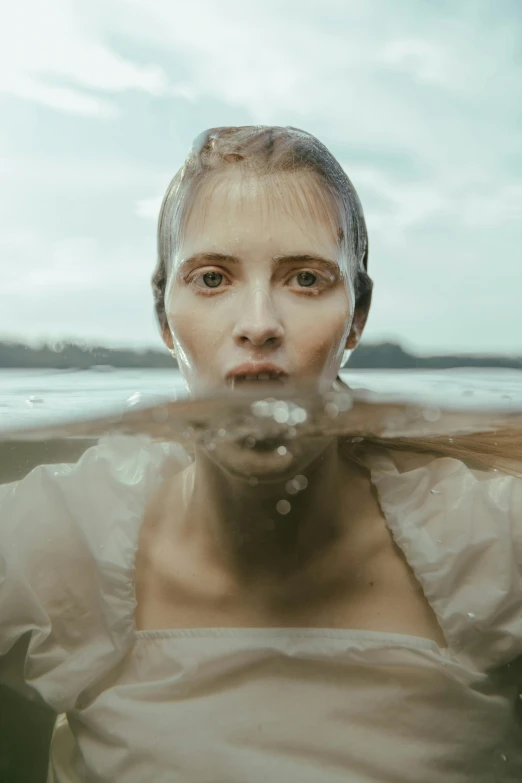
(257, 321)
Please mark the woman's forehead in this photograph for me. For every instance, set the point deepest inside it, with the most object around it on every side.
(292, 203)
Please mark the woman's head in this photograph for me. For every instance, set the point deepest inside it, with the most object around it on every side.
(262, 258)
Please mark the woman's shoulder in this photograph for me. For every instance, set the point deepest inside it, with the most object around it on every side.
(68, 537)
(63, 519)
(461, 529)
(118, 470)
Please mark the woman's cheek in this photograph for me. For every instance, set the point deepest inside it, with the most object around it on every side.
(325, 337)
(198, 340)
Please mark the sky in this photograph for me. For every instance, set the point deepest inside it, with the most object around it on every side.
(419, 100)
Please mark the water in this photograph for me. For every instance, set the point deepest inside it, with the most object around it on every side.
(66, 411)
(53, 416)
(32, 398)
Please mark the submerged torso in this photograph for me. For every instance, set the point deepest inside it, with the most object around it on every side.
(367, 585)
(205, 684)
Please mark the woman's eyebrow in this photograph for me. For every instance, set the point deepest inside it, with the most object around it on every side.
(208, 258)
(280, 260)
(303, 258)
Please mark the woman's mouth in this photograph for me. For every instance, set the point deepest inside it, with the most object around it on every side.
(261, 443)
(256, 378)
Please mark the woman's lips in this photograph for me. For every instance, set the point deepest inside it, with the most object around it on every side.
(254, 381)
(256, 372)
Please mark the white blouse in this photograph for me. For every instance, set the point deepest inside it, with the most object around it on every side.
(238, 705)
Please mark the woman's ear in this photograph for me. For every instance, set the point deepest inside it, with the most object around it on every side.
(359, 322)
(167, 339)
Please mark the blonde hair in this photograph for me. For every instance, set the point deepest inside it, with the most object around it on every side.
(498, 450)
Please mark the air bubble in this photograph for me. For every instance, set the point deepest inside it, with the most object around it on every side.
(222, 432)
(283, 506)
(301, 481)
(260, 408)
(431, 414)
(298, 416)
(253, 481)
(292, 487)
(281, 413)
(331, 410)
(250, 442)
(282, 450)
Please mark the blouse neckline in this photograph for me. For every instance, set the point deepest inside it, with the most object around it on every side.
(378, 461)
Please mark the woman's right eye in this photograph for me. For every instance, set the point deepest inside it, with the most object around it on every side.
(212, 279)
(208, 282)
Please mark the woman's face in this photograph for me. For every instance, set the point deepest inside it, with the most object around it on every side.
(256, 288)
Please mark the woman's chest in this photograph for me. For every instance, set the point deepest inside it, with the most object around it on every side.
(380, 593)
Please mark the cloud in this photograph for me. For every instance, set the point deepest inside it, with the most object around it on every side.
(61, 98)
(497, 207)
(370, 78)
(149, 208)
(66, 265)
(50, 54)
(75, 287)
(422, 60)
(394, 206)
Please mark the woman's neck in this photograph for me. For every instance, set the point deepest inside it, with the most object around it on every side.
(262, 534)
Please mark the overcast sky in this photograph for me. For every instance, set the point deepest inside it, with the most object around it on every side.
(420, 101)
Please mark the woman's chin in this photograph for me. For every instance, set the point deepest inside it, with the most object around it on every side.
(266, 460)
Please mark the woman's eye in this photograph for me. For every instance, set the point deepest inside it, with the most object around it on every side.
(212, 279)
(306, 279)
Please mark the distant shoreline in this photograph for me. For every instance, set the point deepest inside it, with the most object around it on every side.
(377, 356)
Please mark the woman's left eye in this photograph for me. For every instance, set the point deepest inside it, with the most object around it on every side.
(306, 279)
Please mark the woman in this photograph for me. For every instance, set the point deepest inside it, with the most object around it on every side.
(303, 612)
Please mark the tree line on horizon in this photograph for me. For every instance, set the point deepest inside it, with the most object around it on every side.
(70, 355)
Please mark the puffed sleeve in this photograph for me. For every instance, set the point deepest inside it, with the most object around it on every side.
(461, 530)
(68, 535)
